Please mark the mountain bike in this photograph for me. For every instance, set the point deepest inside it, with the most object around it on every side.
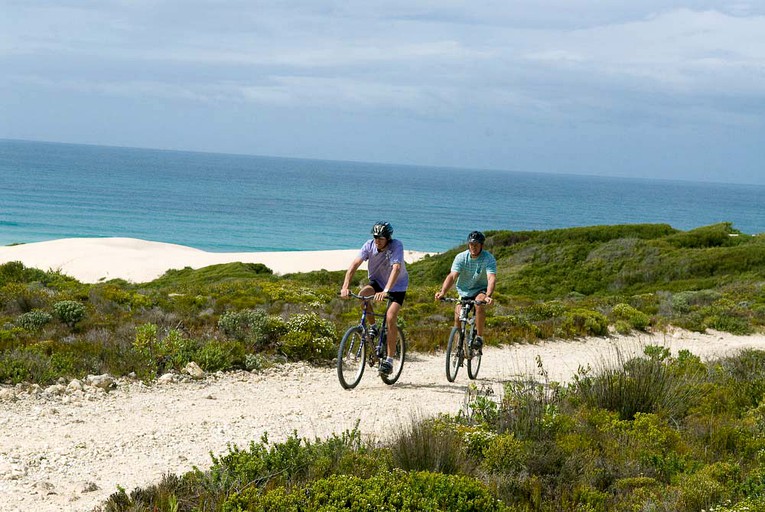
(460, 346)
(359, 348)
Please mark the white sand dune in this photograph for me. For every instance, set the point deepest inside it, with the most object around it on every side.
(91, 260)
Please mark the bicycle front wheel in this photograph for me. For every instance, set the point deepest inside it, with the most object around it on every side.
(474, 357)
(351, 357)
(398, 359)
(453, 354)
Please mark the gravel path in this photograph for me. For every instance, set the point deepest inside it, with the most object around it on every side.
(71, 451)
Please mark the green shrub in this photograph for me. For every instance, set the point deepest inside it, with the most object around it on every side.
(13, 368)
(239, 324)
(623, 327)
(715, 235)
(33, 320)
(429, 445)
(709, 486)
(750, 504)
(530, 409)
(16, 272)
(640, 384)
(683, 302)
(389, 491)
(176, 350)
(292, 462)
(161, 353)
(505, 454)
(217, 355)
(588, 499)
(636, 319)
(268, 330)
(309, 338)
(16, 298)
(69, 311)
(583, 322)
(303, 346)
(45, 362)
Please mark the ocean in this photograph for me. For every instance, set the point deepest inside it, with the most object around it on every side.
(239, 203)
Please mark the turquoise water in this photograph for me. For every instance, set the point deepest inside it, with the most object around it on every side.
(222, 203)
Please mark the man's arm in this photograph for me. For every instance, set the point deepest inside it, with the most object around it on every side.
(492, 278)
(447, 285)
(355, 264)
(394, 273)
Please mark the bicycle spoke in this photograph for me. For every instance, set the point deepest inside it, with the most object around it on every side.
(350, 358)
(398, 359)
(453, 354)
(474, 361)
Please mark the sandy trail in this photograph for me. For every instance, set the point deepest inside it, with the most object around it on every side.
(65, 453)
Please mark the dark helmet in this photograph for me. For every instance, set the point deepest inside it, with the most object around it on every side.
(476, 236)
(382, 229)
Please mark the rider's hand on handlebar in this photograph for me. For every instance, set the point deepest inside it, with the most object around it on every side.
(380, 296)
(488, 300)
(439, 295)
(345, 293)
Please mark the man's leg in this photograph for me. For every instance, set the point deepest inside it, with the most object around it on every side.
(366, 291)
(392, 319)
(480, 314)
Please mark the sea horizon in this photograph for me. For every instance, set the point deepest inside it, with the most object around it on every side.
(222, 202)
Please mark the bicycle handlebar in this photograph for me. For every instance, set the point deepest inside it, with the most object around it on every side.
(368, 297)
(463, 301)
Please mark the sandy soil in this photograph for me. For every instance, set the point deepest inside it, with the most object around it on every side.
(70, 452)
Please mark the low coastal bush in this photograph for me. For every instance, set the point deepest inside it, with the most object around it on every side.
(635, 319)
(541, 446)
(567, 283)
(389, 491)
(583, 322)
(69, 311)
(33, 320)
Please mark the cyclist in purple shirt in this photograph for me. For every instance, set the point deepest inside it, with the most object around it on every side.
(387, 277)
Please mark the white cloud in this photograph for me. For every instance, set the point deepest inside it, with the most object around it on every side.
(682, 51)
(454, 64)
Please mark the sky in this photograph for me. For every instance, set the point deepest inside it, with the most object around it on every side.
(652, 89)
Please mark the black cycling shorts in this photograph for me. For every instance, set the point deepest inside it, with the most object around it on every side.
(397, 297)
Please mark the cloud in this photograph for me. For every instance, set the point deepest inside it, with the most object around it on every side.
(451, 67)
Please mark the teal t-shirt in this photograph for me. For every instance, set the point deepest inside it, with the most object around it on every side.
(473, 272)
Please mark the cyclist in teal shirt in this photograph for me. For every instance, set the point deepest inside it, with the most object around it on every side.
(475, 273)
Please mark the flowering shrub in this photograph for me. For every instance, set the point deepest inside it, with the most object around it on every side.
(309, 338)
(33, 320)
(69, 311)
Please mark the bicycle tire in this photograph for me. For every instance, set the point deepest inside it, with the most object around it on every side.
(351, 358)
(474, 359)
(453, 354)
(398, 359)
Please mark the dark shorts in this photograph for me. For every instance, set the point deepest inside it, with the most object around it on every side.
(397, 297)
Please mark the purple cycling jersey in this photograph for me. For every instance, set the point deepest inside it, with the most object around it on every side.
(380, 263)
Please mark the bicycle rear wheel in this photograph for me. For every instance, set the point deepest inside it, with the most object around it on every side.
(454, 354)
(474, 358)
(398, 359)
(351, 357)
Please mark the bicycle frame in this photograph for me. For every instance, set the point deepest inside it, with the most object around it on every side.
(459, 346)
(381, 349)
(352, 355)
